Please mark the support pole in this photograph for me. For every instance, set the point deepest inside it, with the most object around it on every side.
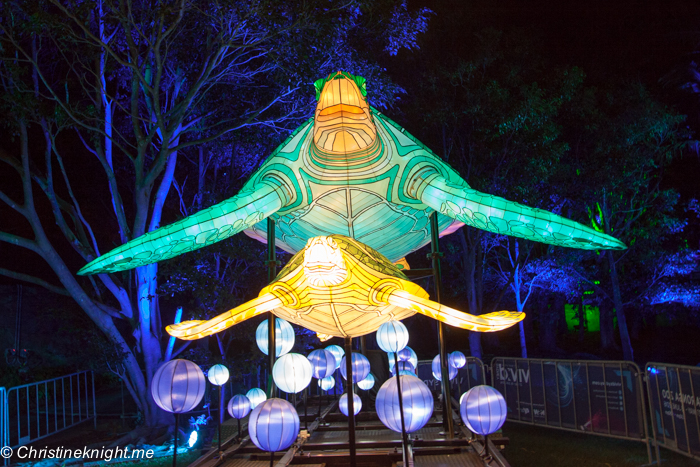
(271, 274)
(177, 434)
(363, 345)
(445, 379)
(404, 440)
(351, 402)
(221, 400)
(306, 416)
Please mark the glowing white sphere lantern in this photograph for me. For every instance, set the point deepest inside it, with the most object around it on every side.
(178, 386)
(457, 359)
(392, 336)
(356, 404)
(322, 363)
(367, 383)
(284, 337)
(338, 353)
(483, 410)
(437, 373)
(327, 383)
(273, 425)
(218, 375)
(405, 355)
(292, 373)
(256, 396)
(239, 406)
(360, 367)
(403, 367)
(417, 404)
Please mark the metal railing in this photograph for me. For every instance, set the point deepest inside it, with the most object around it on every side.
(598, 397)
(36, 410)
(673, 407)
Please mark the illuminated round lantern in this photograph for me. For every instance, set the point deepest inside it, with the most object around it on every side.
(392, 336)
(218, 375)
(483, 410)
(417, 404)
(326, 383)
(403, 366)
(337, 352)
(284, 337)
(437, 374)
(273, 425)
(360, 367)
(178, 386)
(239, 406)
(456, 359)
(292, 372)
(356, 404)
(322, 363)
(367, 383)
(405, 355)
(256, 396)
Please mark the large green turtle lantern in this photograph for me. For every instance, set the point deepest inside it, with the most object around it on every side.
(351, 171)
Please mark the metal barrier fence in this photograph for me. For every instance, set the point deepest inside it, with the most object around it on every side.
(470, 375)
(598, 397)
(673, 405)
(36, 410)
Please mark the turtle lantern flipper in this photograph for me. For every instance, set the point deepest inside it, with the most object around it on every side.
(191, 330)
(204, 228)
(490, 322)
(498, 215)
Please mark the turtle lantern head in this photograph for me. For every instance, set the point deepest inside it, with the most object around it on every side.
(343, 121)
(323, 262)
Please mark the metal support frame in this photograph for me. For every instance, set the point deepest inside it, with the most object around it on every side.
(351, 402)
(404, 438)
(271, 274)
(445, 380)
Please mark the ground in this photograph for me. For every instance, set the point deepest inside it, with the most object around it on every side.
(532, 446)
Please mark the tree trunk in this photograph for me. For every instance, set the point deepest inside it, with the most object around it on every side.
(607, 328)
(627, 351)
(548, 325)
(470, 257)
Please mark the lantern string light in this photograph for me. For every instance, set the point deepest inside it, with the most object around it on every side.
(273, 425)
(392, 336)
(338, 354)
(343, 404)
(178, 387)
(367, 383)
(360, 367)
(418, 407)
(256, 396)
(284, 337)
(322, 362)
(457, 359)
(483, 411)
(292, 373)
(437, 372)
(239, 407)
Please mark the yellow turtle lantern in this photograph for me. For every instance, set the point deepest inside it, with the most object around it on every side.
(337, 286)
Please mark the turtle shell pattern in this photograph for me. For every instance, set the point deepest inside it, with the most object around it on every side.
(362, 195)
(345, 309)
